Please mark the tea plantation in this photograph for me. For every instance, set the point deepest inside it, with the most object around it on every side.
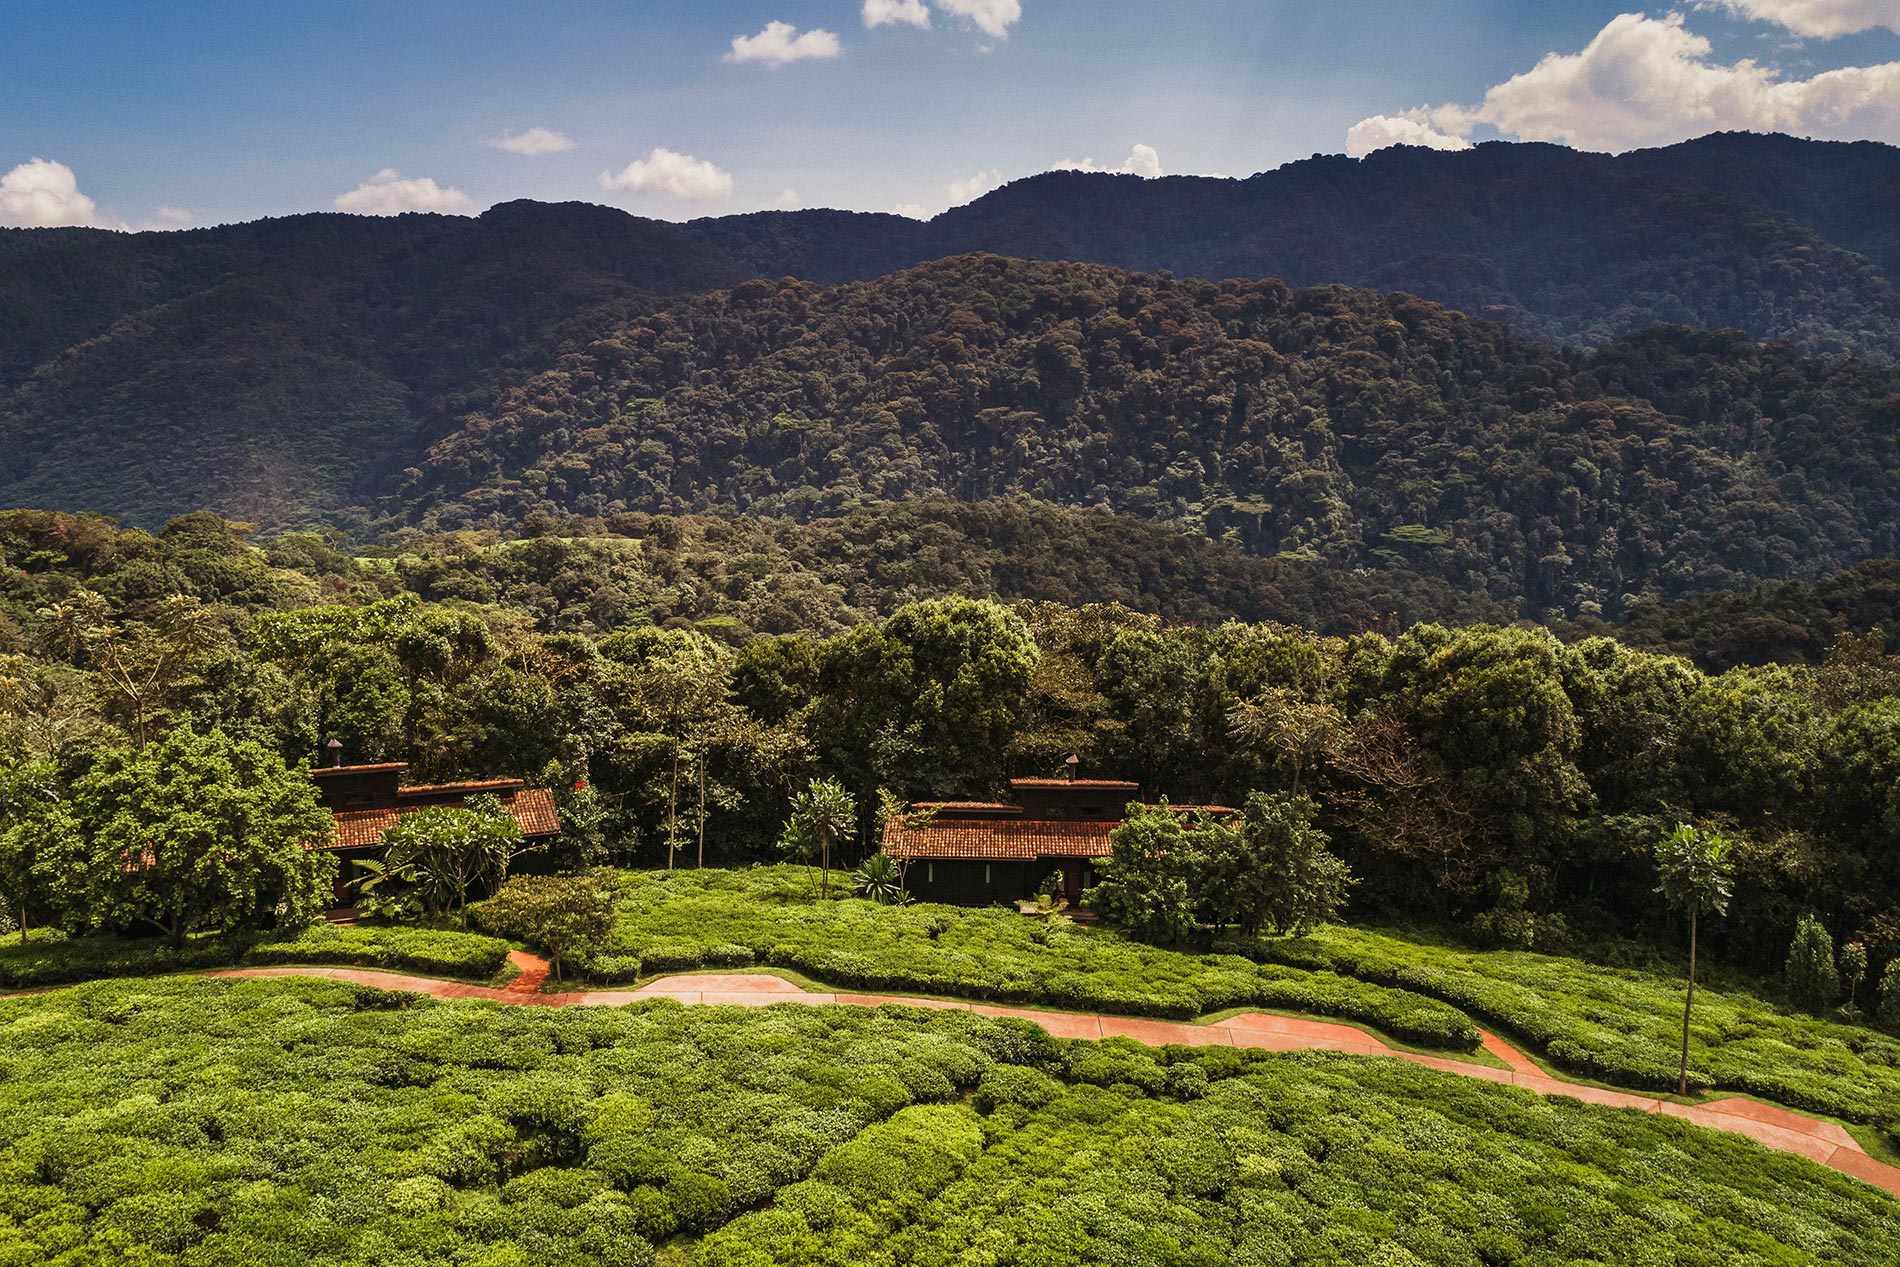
(1619, 1025)
(1624, 1024)
(771, 915)
(207, 1122)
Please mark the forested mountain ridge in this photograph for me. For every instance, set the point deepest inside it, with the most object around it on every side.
(280, 370)
(1332, 425)
(1778, 237)
(287, 371)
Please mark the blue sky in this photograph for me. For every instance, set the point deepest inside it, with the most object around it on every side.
(192, 113)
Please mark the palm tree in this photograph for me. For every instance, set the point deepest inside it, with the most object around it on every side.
(1696, 878)
(823, 815)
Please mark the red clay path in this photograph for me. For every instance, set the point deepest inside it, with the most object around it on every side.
(1768, 1124)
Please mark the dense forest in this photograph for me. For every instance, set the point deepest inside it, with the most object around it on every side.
(1779, 237)
(1497, 775)
(1326, 425)
(289, 371)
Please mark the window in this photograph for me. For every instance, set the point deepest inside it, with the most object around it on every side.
(930, 873)
(986, 873)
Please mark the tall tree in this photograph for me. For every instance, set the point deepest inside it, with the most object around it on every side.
(824, 816)
(1272, 868)
(138, 662)
(189, 833)
(1697, 875)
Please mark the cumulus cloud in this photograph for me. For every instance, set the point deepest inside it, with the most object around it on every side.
(1141, 161)
(974, 186)
(1651, 81)
(1820, 19)
(388, 194)
(1411, 128)
(39, 194)
(675, 175)
(533, 141)
(787, 200)
(913, 210)
(781, 43)
(905, 12)
(992, 17)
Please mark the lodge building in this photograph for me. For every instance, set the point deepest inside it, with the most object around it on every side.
(367, 800)
(973, 853)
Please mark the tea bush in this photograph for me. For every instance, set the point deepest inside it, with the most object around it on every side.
(45, 960)
(1624, 1024)
(686, 920)
(193, 1122)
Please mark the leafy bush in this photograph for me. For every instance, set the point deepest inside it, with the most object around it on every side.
(438, 953)
(1812, 980)
(562, 915)
(44, 962)
(684, 921)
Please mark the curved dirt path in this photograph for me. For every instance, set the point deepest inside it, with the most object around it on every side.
(1769, 1124)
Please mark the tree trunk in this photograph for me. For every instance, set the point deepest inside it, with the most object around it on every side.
(1682, 1079)
(672, 810)
(702, 812)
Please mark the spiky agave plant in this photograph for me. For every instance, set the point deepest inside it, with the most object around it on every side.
(880, 878)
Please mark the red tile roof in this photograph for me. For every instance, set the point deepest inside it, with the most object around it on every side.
(1122, 784)
(1025, 839)
(533, 808)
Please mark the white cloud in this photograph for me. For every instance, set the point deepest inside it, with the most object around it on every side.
(911, 209)
(973, 187)
(388, 194)
(1141, 161)
(1821, 19)
(1411, 128)
(992, 17)
(780, 43)
(787, 200)
(907, 12)
(39, 194)
(676, 175)
(533, 141)
(1650, 81)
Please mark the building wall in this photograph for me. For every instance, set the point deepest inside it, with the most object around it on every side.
(962, 883)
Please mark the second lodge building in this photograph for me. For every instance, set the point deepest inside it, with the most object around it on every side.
(973, 853)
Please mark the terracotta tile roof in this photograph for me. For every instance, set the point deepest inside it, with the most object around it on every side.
(533, 808)
(1025, 839)
(1122, 784)
(331, 771)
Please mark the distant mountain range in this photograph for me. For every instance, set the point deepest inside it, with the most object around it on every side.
(450, 371)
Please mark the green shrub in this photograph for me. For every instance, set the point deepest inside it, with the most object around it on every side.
(1811, 978)
(439, 953)
(1888, 1011)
